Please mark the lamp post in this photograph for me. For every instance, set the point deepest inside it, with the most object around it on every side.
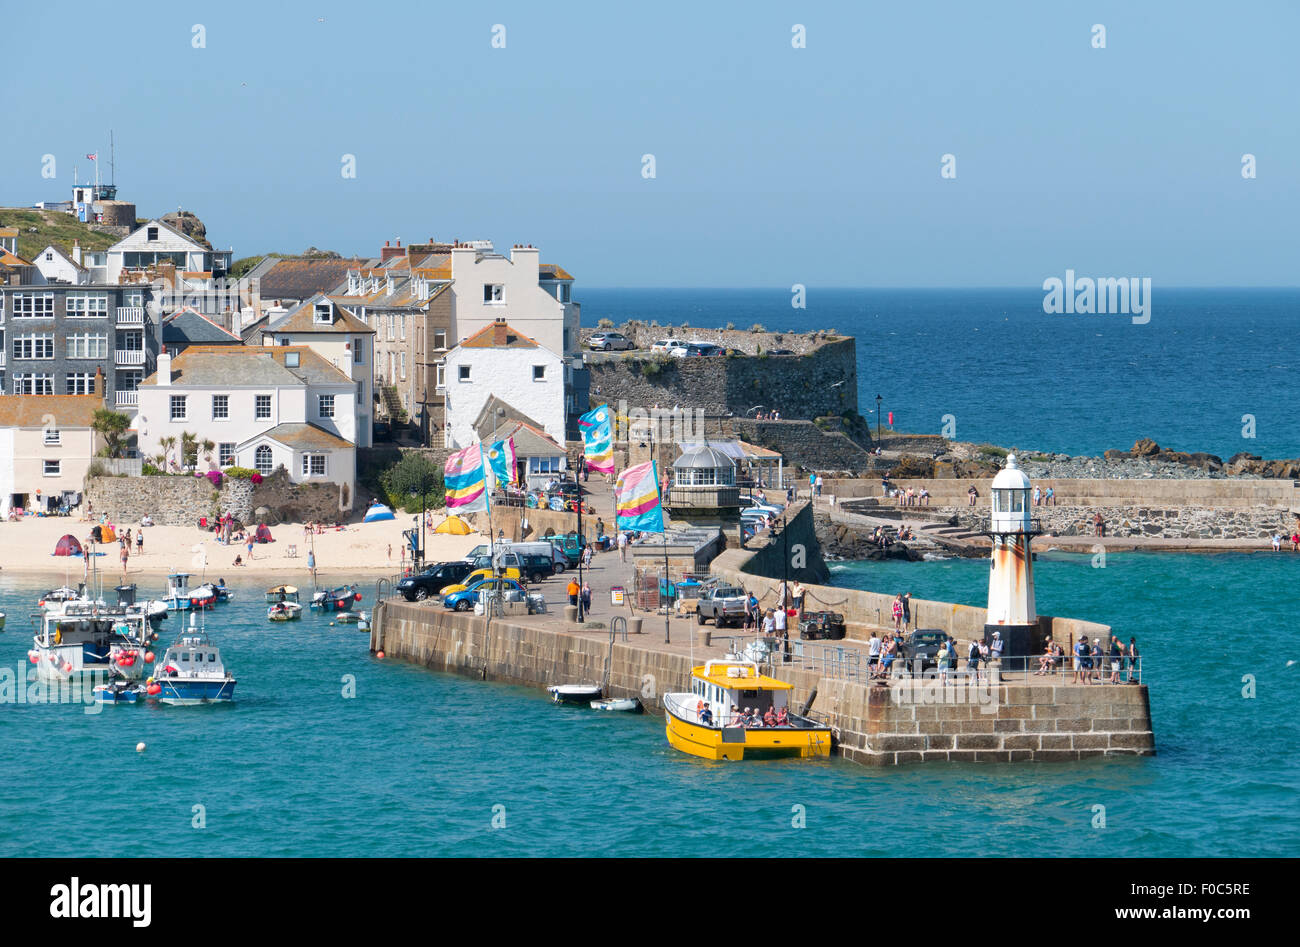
(878, 400)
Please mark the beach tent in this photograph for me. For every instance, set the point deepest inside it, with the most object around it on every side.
(106, 534)
(68, 546)
(377, 512)
(454, 525)
(264, 534)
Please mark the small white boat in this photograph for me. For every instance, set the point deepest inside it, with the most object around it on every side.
(629, 705)
(284, 611)
(192, 672)
(2, 621)
(574, 693)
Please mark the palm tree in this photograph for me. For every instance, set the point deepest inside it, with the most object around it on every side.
(208, 447)
(166, 443)
(189, 449)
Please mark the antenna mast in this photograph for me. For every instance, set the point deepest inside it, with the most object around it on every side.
(112, 165)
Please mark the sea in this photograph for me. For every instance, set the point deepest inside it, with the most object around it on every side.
(330, 751)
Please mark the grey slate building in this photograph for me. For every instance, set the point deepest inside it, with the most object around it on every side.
(54, 337)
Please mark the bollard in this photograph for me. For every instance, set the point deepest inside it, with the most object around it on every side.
(634, 625)
(571, 614)
(706, 637)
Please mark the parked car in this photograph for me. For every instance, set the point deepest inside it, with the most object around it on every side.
(780, 352)
(538, 567)
(725, 604)
(478, 575)
(606, 341)
(431, 581)
(924, 643)
(693, 349)
(664, 346)
(464, 600)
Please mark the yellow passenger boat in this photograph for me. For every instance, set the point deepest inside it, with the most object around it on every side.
(702, 722)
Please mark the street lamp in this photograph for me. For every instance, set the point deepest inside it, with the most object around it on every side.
(878, 400)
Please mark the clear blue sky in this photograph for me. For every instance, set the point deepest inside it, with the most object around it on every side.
(774, 165)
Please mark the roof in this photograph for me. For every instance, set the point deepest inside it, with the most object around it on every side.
(8, 231)
(303, 319)
(703, 456)
(751, 679)
(11, 259)
(190, 327)
(497, 412)
(246, 366)
(484, 339)
(530, 441)
(753, 450)
(59, 251)
(551, 271)
(1011, 477)
(70, 411)
(302, 436)
(302, 277)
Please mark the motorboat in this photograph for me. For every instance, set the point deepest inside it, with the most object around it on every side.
(336, 600)
(283, 611)
(628, 705)
(85, 638)
(700, 722)
(192, 672)
(574, 693)
(120, 692)
(180, 597)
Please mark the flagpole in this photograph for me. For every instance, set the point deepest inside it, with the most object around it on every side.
(487, 499)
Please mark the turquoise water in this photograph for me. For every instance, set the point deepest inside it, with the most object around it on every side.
(417, 761)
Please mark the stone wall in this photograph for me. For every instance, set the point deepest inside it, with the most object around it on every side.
(803, 444)
(644, 335)
(822, 382)
(1166, 523)
(767, 550)
(182, 500)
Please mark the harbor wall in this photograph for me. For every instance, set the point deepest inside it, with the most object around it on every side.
(907, 722)
(180, 500)
(1182, 522)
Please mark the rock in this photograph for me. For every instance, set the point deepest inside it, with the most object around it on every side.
(1237, 458)
(1117, 455)
(1205, 461)
(1145, 447)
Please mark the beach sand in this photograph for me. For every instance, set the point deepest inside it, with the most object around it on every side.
(358, 549)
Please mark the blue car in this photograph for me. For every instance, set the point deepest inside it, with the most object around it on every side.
(464, 601)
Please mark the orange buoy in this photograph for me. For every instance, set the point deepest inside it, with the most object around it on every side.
(148, 657)
(154, 689)
(379, 655)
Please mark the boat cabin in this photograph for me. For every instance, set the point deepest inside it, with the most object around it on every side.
(726, 684)
(193, 655)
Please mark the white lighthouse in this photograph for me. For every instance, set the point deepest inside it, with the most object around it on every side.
(1011, 611)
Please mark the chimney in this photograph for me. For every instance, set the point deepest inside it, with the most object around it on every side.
(76, 252)
(388, 252)
(164, 369)
(97, 386)
(500, 332)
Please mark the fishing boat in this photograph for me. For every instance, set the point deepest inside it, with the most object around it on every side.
(192, 672)
(180, 597)
(283, 611)
(154, 610)
(574, 693)
(627, 705)
(701, 723)
(85, 638)
(336, 600)
(55, 599)
(120, 692)
(220, 590)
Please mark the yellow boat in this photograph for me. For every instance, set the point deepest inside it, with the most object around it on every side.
(701, 722)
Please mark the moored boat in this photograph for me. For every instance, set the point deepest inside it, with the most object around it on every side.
(180, 597)
(628, 705)
(336, 600)
(702, 724)
(85, 638)
(192, 672)
(574, 693)
(119, 692)
(283, 611)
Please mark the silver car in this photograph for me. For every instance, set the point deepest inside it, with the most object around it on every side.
(608, 341)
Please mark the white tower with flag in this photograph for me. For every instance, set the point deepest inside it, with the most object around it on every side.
(1011, 613)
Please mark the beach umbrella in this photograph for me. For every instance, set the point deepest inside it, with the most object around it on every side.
(376, 513)
(68, 546)
(455, 526)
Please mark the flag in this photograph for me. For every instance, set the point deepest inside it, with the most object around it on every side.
(466, 481)
(501, 458)
(597, 440)
(94, 157)
(637, 504)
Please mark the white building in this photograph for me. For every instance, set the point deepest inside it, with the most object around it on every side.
(158, 243)
(55, 266)
(263, 406)
(500, 361)
(46, 446)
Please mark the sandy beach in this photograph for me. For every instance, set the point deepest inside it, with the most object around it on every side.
(357, 549)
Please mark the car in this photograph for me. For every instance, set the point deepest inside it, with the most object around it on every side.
(923, 644)
(538, 567)
(693, 349)
(665, 346)
(725, 604)
(607, 341)
(418, 587)
(464, 600)
(780, 352)
(478, 575)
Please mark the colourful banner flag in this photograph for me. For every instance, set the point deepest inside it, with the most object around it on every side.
(501, 458)
(597, 440)
(637, 504)
(465, 477)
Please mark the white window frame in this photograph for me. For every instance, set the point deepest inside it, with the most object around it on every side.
(33, 383)
(172, 402)
(441, 377)
(257, 408)
(320, 406)
(79, 383)
(56, 472)
(224, 405)
(33, 305)
(494, 294)
(539, 373)
(28, 342)
(87, 346)
(86, 305)
(440, 340)
(270, 454)
(226, 454)
(322, 313)
(463, 373)
(53, 437)
(309, 461)
(402, 360)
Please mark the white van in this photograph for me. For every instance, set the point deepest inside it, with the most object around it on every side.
(540, 548)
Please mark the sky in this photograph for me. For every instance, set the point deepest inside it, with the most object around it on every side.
(773, 165)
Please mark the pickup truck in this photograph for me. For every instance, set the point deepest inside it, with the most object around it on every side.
(725, 604)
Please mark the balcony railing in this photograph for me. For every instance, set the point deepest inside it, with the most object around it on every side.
(130, 315)
(128, 399)
(130, 356)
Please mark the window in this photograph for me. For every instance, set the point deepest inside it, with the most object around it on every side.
(134, 299)
(539, 373)
(403, 365)
(262, 460)
(86, 345)
(390, 327)
(79, 383)
(34, 383)
(33, 305)
(53, 437)
(323, 313)
(442, 375)
(539, 465)
(262, 408)
(564, 292)
(221, 407)
(132, 342)
(151, 234)
(401, 326)
(88, 305)
(313, 465)
(53, 468)
(177, 404)
(358, 351)
(34, 345)
(440, 339)
(462, 373)
(325, 406)
(494, 294)
(225, 455)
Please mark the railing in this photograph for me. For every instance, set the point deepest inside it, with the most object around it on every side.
(127, 399)
(130, 356)
(130, 315)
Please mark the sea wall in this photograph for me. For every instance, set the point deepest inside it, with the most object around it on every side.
(821, 382)
(1259, 522)
(182, 500)
(805, 445)
(765, 553)
(907, 722)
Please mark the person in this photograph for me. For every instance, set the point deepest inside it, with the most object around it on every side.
(769, 624)
(1132, 658)
(390, 552)
(125, 554)
(600, 527)
(769, 717)
(907, 609)
(1080, 662)
(239, 560)
(1277, 542)
(1045, 662)
(311, 564)
(1038, 495)
(249, 538)
(139, 542)
(887, 660)
(941, 662)
(972, 495)
(898, 611)
(752, 611)
(1116, 659)
(873, 654)
(819, 484)
(783, 717)
(588, 552)
(779, 622)
(1096, 659)
(573, 590)
(925, 496)
(706, 716)
(973, 660)
(1098, 524)
(586, 596)
(797, 594)
(622, 545)
(733, 718)
(1050, 497)
(995, 648)
(789, 494)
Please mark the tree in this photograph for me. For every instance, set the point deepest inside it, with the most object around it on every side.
(111, 425)
(404, 481)
(166, 443)
(189, 449)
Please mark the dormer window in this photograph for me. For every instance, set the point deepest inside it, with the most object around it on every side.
(151, 234)
(324, 313)
(291, 359)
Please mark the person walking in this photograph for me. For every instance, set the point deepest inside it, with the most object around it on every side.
(573, 591)
(973, 661)
(125, 555)
(769, 624)
(907, 610)
(1080, 662)
(797, 593)
(779, 622)
(139, 542)
(622, 546)
(585, 595)
(250, 545)
(311, 564)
